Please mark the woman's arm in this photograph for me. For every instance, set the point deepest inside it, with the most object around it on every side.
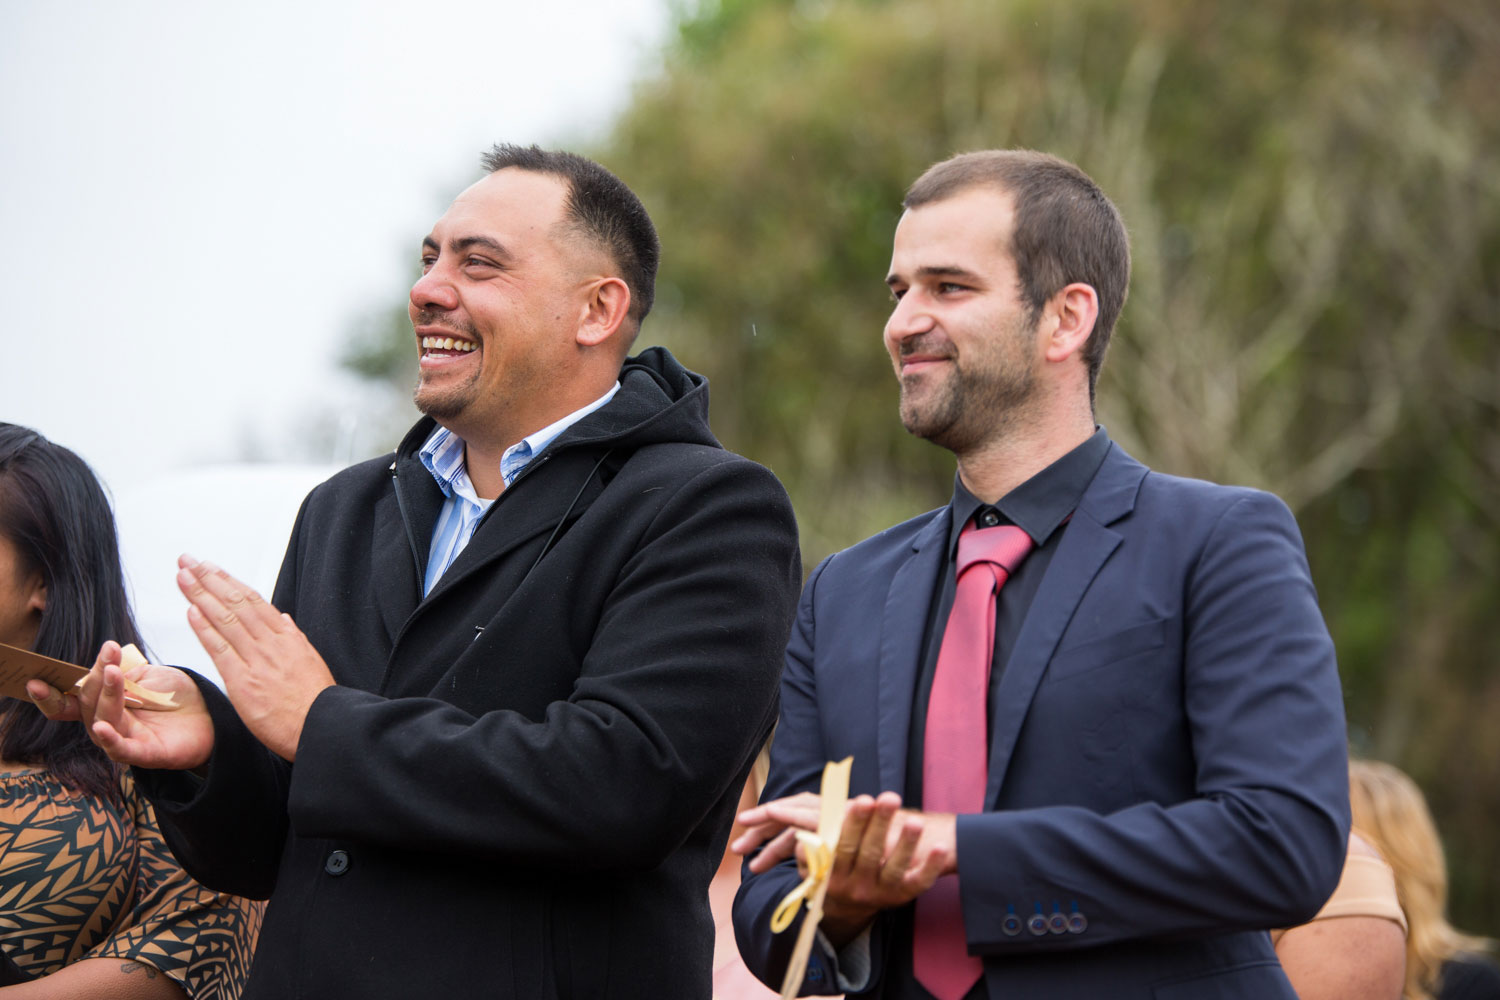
(117, 978)
(1355, 948)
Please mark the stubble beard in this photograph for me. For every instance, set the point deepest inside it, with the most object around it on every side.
(968, 408)
(444, 404)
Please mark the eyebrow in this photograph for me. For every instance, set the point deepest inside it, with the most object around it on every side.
(469, 243)
(938, 271)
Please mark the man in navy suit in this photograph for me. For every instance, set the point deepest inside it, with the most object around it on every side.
(1166, 768)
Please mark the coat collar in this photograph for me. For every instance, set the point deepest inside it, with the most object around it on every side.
(405, 519)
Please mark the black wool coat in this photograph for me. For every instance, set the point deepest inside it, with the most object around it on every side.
(522, 783)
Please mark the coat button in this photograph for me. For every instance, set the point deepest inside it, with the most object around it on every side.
(337, 863)
(1077, 923)
(1037, 924)
(1011, 925)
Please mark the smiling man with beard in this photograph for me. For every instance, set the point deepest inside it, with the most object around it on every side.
(488, 737)
(1095, 718)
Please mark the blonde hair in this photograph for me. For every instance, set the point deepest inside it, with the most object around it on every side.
(1390, 812)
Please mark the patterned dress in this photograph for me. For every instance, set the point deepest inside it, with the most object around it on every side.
(83, 877)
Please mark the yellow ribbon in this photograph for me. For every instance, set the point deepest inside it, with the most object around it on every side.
(817, 851)
(819, 863)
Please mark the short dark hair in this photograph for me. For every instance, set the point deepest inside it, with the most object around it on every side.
(1066, 230)
(601, 208)
(55, 513)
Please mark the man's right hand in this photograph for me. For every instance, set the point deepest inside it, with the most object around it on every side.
(180, 739)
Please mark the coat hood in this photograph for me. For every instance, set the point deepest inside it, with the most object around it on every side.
(659, 401)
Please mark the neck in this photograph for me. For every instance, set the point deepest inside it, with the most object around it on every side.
(483, 467)
(993, 468)
(485, 442)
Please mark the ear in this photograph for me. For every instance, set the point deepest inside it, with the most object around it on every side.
(36, 597)
(606, 305)
(1072, 312)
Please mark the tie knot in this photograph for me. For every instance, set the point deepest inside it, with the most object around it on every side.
(1005, 545)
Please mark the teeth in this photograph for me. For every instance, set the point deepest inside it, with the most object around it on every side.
(448, 344)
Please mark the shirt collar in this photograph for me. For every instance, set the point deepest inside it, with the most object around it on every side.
(443, 455)
(443, 451)
(523, 451)
(1042, 503)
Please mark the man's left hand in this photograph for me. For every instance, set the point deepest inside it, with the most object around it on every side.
(776, 821)
(886, 855)
(271, 671)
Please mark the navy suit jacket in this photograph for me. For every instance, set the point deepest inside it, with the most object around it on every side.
(1168, 773)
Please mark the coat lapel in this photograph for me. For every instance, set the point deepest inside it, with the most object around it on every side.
(392, 558)
(1086, 545)
(532, 506)
(902, 629)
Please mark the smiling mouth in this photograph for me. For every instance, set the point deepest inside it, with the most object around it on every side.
(920, 362)
(447, 344)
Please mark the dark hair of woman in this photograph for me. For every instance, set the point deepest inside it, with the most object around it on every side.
(54, 511)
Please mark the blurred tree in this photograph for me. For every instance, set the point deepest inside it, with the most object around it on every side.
(380, 349)
(1313, 192)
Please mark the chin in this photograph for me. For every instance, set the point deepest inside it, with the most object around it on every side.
(441, 404)
(440, 409)
(926, 417)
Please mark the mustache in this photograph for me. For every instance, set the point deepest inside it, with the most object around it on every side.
(451, 322)
(925, 343)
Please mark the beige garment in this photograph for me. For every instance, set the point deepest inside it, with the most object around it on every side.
(1367, 888)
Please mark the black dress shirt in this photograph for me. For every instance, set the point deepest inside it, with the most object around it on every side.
(1041, 507)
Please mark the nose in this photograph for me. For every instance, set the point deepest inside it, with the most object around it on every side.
(434, 291)
(909, 318)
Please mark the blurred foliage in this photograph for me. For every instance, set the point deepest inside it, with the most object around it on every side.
(379, 348)
(1313, 193)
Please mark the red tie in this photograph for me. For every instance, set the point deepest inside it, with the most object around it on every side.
(955, 745)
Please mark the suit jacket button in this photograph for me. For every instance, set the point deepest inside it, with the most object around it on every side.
(1057, 923)
(1011, 925)
(337, 863)
(1037, 924)
(1077, 923)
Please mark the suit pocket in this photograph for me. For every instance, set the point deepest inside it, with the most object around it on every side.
(1260, 981)
(1092, 654)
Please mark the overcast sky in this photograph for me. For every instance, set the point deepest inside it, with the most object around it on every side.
(198, 199)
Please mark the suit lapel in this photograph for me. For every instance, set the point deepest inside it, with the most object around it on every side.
(1086, 545)
(902, 629)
